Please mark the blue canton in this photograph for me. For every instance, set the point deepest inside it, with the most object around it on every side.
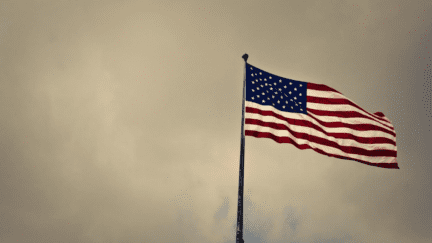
(282, 93)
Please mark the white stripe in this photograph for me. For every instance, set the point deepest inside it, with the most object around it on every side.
(300, 116)
(314, 132)
(324, 94)
(334, 95)
(347, 120)
(324, 148)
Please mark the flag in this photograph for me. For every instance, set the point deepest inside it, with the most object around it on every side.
(317, 117)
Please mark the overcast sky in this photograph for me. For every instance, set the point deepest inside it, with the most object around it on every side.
(120, 121)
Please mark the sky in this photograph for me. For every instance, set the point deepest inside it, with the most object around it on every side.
(120, 121)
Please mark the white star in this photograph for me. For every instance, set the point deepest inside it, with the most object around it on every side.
(290, 83)
(253, 82)
(295, 89)
(289, 92)
(252, 97)
(281, 97)
(252, 74)
(263, 93)
(268, 98)
(265, 84)
(274, 83)
(270, 77)
(300, 103)
(275, 92)
(280, 89)
(262, 85)
(295, 98)
(253, 90)
(291, 107)
(273, 96)
(260, 73)
(271, 88)
(283, 107)
(300, 94)
(265, 79)
(278, 102)
(257, 88)
(301, 109)
(251, 68)
(285, 86)
(300, 85)
(258, 96)
(263, 101)
(286, 102)
(280, 81)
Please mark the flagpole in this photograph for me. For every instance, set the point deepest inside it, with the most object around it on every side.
(239, 234)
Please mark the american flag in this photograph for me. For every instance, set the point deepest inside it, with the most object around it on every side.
(315, 116)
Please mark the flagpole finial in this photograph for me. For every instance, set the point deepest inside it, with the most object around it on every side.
(245, 57)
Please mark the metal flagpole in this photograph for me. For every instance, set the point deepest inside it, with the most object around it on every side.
(239, 235)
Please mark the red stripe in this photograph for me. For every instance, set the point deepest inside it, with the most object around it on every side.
(329, 101)
(323, 141)
(278, 126)
(305, 146)
(379, 114)
(321, 87)
(344, 114)
(358, 127)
